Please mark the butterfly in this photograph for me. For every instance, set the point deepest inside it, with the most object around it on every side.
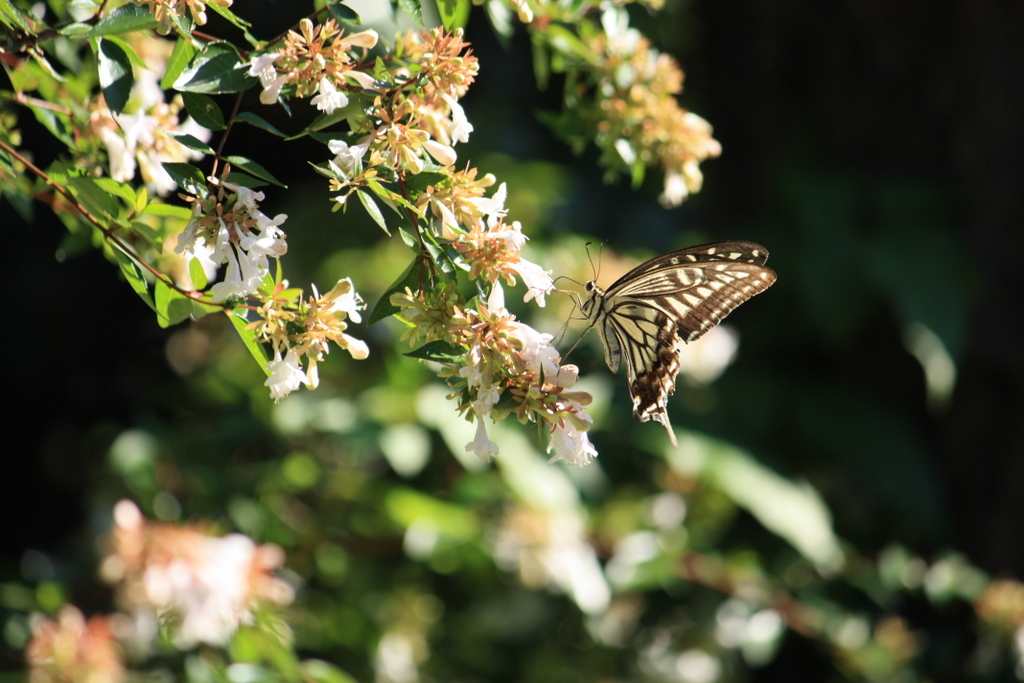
(651, 312)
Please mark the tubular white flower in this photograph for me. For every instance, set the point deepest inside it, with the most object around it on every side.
(263, 68)
(329, 98)
(443, 154)
(285, 375)
(460, 127)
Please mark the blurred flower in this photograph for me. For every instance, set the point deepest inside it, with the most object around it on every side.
(549, 548)
(139, 138)
(73, 650)
(204, 586)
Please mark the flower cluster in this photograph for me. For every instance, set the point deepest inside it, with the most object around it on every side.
(166, 11)
(305, 330)
(629, 101)
(317, 62)
(204, 586)
(228, 227)
(508, 368)
(139, 138)
(72, 649)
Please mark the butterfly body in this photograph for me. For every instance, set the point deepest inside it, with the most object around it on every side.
(651, 312)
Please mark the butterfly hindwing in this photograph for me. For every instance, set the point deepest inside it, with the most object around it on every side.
(651, 312)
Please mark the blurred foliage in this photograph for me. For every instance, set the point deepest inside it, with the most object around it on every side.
(843, 504)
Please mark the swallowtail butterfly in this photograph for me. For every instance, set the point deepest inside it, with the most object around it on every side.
(649, 313)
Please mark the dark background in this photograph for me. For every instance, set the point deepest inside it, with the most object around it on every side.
(874, 147)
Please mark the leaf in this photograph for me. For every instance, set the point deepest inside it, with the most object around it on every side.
(217, 69)
(168, 210)
(197, 274)
(374, 210)
(171, 305)
(20, 19)
(440, 351)
(188, 177)
(344, 14)
(245, 180)
(454, 13)
(410, 278)
(251, 167)
(183, 53)
(126, 19)
(238, 319)
(116, 188)
(191, 142)
(259, 122)
(203, 111)
(115, 74)
(319, 671)
(97, 200)
(133, 275)
(421, 181)
(413, 10)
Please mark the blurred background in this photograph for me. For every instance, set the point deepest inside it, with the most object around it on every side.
(874, 148)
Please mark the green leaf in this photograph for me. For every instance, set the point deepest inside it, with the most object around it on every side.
(421, 181)
(245, 180)
(251, 167)
(171, 305)
(97, 200)
(12, 15)
(319, 671)
(413, 10)
(259, 122)
(133, 274)
(188, 177)
(183, 53)
(541, 62)
(235, 20)
(117, 189)
(198, 275)
(126, 19)
(454, 13)
(217, 69)
(115, 74)
(191, 142)
(168, 210)
(238, 319)
(410, 278)
(344, 14)
(440, 351)
(372, 209)
(203, 111)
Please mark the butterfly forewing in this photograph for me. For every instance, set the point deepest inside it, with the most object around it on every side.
(652, 311)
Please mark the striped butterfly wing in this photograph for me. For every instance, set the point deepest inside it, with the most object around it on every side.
(650, 313)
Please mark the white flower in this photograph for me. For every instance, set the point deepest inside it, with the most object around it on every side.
(346, 156)
(343, 297)
(460, 127)
(444, 154)
(263, 68)
(537, 352)
(571, 443)
(356, 347)
(234, 284)
(272, 91)
(482, 446)
(675, 190)
(537, 280)
(329, 98)
(494, 206)
(285, 375)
